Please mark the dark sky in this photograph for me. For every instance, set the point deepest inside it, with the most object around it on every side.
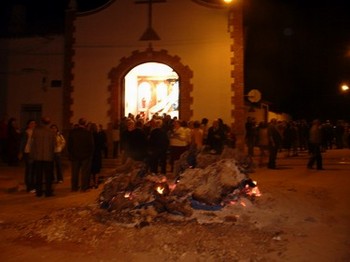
(297, 55)
(297, 52)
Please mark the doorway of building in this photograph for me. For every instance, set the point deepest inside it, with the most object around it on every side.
(151, 89)
(30, 112)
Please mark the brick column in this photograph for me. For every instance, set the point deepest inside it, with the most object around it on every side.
(68, 66)
(235, 25)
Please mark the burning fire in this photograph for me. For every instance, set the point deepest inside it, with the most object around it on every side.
(160, 190)
(127, 195)
(253, 191)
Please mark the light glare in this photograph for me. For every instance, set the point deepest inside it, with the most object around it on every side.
(344, 87)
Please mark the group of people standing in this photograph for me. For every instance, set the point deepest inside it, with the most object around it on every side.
(81, 146)
(267, 137)
(162, 140)
(86, 146)
(293, 137)
(157, 142)
(40, 148)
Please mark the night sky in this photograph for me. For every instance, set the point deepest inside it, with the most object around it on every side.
(297, 52)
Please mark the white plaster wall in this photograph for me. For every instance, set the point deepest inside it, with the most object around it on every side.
(91, 85)
(196, 34)
(39, 57)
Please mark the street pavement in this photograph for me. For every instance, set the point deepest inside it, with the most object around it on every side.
(12, 177)
(309, 208)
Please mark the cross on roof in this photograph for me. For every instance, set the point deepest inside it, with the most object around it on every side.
(149, 34)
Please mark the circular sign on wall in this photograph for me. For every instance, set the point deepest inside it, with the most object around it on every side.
(254, 95)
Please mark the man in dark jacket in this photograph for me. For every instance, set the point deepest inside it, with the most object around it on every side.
(80, 147)
(42, 153)
(315, 141)
(135, 141)
(158, 146)
(275, 141)
(216, 137)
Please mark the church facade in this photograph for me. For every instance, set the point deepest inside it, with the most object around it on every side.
(179, 57)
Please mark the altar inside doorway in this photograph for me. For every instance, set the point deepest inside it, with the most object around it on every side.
(152, 89)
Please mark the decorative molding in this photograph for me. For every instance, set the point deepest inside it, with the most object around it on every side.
(68, 68)
(235, 21)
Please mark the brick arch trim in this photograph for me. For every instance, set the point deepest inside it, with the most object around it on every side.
(117, 74)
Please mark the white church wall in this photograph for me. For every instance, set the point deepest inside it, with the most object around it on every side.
(197, 35)
(32, 63)
(91, 85)
(211, 82)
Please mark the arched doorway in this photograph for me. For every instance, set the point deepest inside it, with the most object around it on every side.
(151, 89)
(119, 78)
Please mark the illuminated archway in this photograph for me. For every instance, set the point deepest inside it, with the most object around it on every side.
(151, 88)
(118, 75)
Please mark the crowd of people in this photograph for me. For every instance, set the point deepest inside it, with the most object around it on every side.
(292, 137)
(158, 143)
(161, 141)
(40, 147)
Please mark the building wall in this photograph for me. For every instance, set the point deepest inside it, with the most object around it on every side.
(263, 114)
(196, 34)
(29, 65)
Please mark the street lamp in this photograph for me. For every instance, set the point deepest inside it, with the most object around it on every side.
(344, 88)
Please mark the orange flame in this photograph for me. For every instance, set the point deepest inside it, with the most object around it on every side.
(127, 194)
(160, 190)
(254, 191)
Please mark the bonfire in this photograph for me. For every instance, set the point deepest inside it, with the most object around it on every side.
(215, 182)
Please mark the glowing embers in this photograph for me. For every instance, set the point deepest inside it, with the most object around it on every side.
(162, 188)
(162, 196)
(127, 195)
(216, 184)
(248, 190)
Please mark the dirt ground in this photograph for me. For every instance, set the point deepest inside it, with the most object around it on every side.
(302, 215)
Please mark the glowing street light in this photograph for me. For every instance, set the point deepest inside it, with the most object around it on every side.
(344, 88)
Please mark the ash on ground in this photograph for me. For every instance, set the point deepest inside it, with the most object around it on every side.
(213, 211)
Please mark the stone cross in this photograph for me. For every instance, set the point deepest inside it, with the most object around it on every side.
(149, 34)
